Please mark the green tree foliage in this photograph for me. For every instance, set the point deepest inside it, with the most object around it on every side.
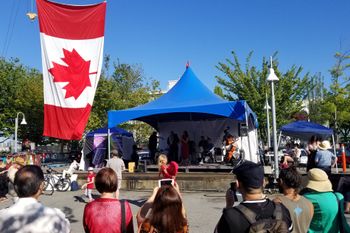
(249, 83)
(336, 104)
(21, 91)
(218, 91)
(126, 87)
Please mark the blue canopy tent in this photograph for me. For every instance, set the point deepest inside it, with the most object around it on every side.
(305, 129)
(190, 105)
(95, 146)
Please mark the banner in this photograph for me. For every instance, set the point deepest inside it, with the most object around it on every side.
(71, 40)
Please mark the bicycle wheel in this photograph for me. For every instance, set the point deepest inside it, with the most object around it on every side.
(62, 185)
(48, 187)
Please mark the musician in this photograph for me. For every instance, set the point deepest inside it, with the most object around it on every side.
(231, 147)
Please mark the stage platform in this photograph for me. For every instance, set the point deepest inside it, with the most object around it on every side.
(206, 177)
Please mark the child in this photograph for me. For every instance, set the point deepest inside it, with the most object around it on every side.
(90, 183)
(167, 171)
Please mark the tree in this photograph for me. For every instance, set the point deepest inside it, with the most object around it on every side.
(21, 91)
(126, 87)
(336, 105)
(249, 83)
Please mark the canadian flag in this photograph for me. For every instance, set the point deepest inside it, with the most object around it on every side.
(71, 40)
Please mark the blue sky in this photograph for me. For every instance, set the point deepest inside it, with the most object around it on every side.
(161, 35)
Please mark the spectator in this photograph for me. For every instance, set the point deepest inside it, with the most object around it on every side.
(117, 164)
(89, 186)
(250, 180)
(344, 188)
(27, 214)
(105, 213)
(167, 214)
(11, 173)
(311, 150)
(324, 159)
(300, 209)
(319, 192)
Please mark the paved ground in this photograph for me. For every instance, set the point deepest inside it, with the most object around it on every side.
(203, 209)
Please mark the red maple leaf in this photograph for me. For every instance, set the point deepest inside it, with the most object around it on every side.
(76, 73)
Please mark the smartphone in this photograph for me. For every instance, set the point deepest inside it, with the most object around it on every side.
(165, 182)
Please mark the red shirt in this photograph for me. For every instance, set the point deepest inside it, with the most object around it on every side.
(104, 215)
(165, 175)
(89, 179)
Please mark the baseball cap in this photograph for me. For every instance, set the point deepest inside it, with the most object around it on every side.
(90, 169)
(250, 174)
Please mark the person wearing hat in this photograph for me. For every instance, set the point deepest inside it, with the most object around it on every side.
(324, 159)
(118, 165)
(250, 182)
(327, 204)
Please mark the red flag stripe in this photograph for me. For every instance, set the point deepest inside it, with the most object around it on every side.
(65, 123)
(71, 22)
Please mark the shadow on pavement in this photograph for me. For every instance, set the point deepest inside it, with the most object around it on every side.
(138, 202)
(69, 214)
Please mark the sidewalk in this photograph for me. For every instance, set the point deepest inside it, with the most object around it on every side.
(203, 209)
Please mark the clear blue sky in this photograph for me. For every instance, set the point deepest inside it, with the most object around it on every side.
(162, 35)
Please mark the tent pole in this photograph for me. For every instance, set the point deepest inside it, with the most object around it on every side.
(247, 122)
(335, 153)
(109, 142)
(279, 139)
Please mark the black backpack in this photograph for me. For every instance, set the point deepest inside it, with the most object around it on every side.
(268, 225)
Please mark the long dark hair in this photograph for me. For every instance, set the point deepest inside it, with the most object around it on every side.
(167, 211)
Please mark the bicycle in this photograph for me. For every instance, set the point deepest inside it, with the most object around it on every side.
(54, 181)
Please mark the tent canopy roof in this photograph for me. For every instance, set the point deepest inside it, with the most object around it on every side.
(114, 130)
(189, 99)
(305, 129)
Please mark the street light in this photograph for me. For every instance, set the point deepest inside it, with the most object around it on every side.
(23, 122)
(268, 108)
(273, 78)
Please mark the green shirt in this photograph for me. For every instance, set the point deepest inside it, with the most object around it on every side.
(325, 219)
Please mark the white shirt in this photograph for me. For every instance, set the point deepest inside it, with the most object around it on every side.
(117, 164)
(27, 215)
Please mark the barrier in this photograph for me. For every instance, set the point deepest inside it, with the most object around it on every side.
(343, 156)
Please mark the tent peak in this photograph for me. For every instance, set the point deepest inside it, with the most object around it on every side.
(187, 64)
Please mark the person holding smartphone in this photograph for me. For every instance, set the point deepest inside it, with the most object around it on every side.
(164, 203)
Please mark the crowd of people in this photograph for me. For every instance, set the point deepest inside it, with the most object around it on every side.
(315, 208)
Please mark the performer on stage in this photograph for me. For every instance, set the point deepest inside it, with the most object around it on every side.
(231, 147)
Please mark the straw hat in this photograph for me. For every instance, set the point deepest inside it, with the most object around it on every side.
(19, 160)
(318, 181)
(324, 145)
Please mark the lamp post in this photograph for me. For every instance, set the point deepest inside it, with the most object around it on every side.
(23, 122)
(273, 78)
(268, 108)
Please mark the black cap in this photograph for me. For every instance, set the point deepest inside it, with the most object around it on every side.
(250, 174)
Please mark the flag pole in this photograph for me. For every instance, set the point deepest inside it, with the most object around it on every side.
(109, 142)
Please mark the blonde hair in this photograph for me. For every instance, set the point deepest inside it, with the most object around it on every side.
(162, 158)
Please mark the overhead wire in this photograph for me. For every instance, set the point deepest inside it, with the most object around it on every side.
(10, 27)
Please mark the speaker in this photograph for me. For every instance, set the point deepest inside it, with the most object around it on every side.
(242, 129)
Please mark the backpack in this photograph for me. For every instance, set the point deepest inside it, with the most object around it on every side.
(268, 225)
(74, 186)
